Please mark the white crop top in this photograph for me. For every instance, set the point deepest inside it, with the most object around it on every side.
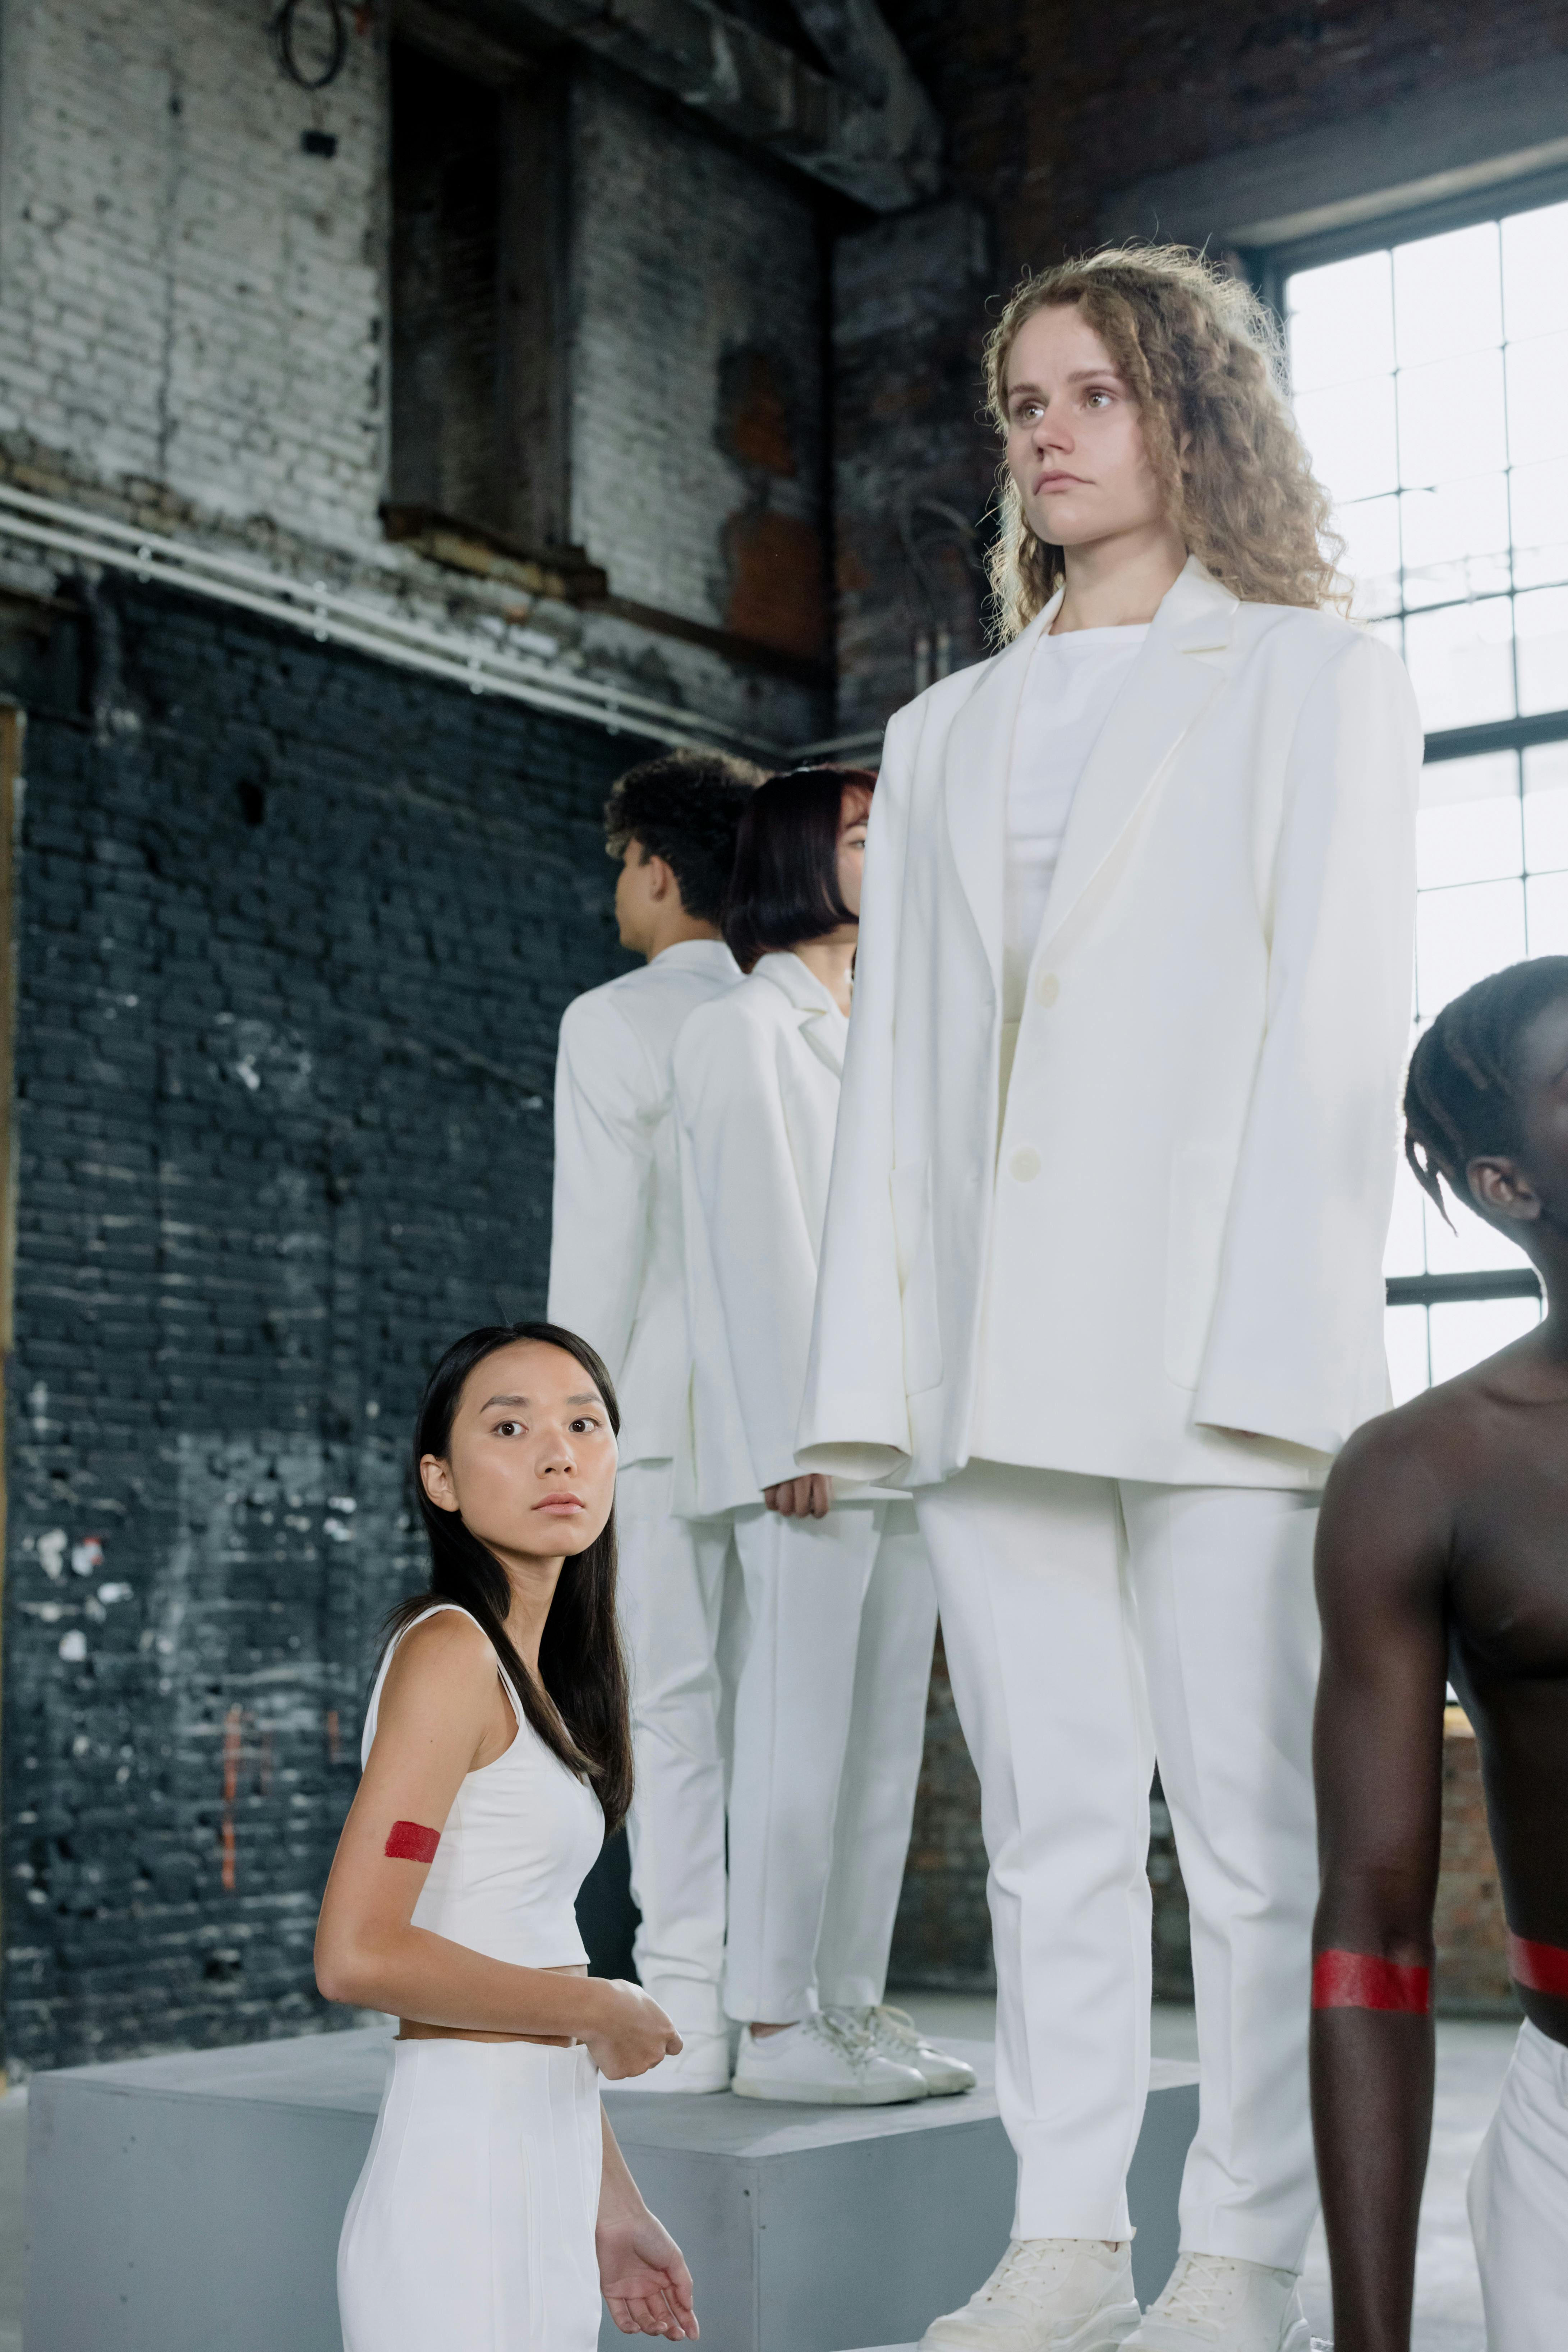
(523, 1834)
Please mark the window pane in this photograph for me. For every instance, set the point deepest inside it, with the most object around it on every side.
(1535, 271)
(1404, 1335)
(1350, 433)
(1456, 540)
(1407, 1250)
(1451, 419)
(1546, 914)
(1341, 323)
(1466, 1332)
(1537, 409)
(1463, 934)
(1542, 622)
(1546, 809)
(1468, 827)
(1446, 295)
(1371, 533)
(1539, 500)
(1461, 663)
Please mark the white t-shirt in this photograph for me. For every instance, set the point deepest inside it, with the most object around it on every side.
(1072, 682)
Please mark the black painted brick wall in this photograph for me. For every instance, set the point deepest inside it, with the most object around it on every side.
(296, 932)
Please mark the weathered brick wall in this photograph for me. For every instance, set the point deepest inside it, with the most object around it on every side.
(194, 319)
(296, 933)
(1470, 1929)
(697, 374)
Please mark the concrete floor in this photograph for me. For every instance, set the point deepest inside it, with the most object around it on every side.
(1472, 2059)
(1470, 2062)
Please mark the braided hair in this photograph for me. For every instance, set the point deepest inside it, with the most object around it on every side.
(1461, 1097)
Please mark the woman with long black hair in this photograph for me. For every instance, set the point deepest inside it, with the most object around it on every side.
(495, 2206)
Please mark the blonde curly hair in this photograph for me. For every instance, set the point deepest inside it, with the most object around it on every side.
(1203, 359)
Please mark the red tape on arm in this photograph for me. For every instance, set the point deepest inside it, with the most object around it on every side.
(1539, 1968)
(412, 1841)
(1357, 1980)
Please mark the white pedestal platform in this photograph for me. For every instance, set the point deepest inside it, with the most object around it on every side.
(180, 2202)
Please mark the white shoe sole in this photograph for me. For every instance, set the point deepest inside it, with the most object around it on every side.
(825, 2094)
(1103, 2331)
(697, 2085)
(947, 2087)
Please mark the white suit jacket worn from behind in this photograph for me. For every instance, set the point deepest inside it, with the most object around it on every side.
(756, 1091)
(616, 1271)
(1166, 1264)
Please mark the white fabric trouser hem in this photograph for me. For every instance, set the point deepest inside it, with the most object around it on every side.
(1519, 2201)
(1086, 1623)
(829, 1727)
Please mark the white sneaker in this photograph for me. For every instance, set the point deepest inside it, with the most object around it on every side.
(894, 2035)
(823, 2062)
(1045, 2295)
(702, 2063)
(1214, 2303)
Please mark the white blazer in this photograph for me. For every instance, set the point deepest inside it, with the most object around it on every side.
(1176, 1236)
(756, 1092)
(616, 1271)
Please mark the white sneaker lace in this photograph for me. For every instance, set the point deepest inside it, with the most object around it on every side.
(1028, 2264)
(892, 2030)
(1204, 2285)
(842, 2032)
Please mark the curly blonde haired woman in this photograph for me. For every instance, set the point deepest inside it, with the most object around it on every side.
(1131, 1000)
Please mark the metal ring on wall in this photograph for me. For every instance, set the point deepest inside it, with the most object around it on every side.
(281, 33)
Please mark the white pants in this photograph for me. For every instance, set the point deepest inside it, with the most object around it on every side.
(1519, 2201)
(1088, 1624)
(829, 1728)
(671, 1590)
(472, 2223)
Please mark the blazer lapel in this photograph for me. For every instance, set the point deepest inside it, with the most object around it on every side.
(1181, 664)
(821, 1026)
(977, 762)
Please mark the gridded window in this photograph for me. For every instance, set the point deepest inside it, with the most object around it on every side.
(1431, 382)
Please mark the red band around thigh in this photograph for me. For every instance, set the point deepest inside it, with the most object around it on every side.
(1357, 1980)
(412, 1841)
(1539, 1968)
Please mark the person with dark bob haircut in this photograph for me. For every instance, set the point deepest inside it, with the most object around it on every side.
(830, 1700)
(784, 888)
(1441, 1559)
(494, 2206)
(616, 1273)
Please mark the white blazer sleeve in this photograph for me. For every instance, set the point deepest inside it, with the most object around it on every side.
(855, 1419)
(1295, 1348)
(606, 1104)
(735, 1153)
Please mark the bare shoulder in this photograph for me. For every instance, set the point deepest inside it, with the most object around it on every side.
(1391, 1494)
(446, 1661)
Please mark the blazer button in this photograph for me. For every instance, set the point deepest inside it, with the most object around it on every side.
(1025, 1164)
(1048, 988)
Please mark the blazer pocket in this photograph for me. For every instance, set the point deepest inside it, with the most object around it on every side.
(1201, 1179)
(917, 1276)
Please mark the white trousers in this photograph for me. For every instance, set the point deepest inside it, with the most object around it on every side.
(471, 2226)
(1519, 2201)
(1089, 1624)
(672, 1574)
(829, 1727)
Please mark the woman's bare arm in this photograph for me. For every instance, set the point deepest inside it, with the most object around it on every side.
(642, 2271)
(1382, 1554)
(430, 1731)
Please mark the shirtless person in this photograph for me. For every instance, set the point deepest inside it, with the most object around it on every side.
(1443, 1555)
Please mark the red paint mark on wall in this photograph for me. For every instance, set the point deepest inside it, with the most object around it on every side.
(333, 1740)
(233, 1740)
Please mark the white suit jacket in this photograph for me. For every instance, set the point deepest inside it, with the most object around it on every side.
(1177, 1235)
(756, 1090)
(616, 1272)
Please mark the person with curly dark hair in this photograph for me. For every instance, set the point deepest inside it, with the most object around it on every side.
(1441, 1559)
(616, 1274)
(1101, 1272)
